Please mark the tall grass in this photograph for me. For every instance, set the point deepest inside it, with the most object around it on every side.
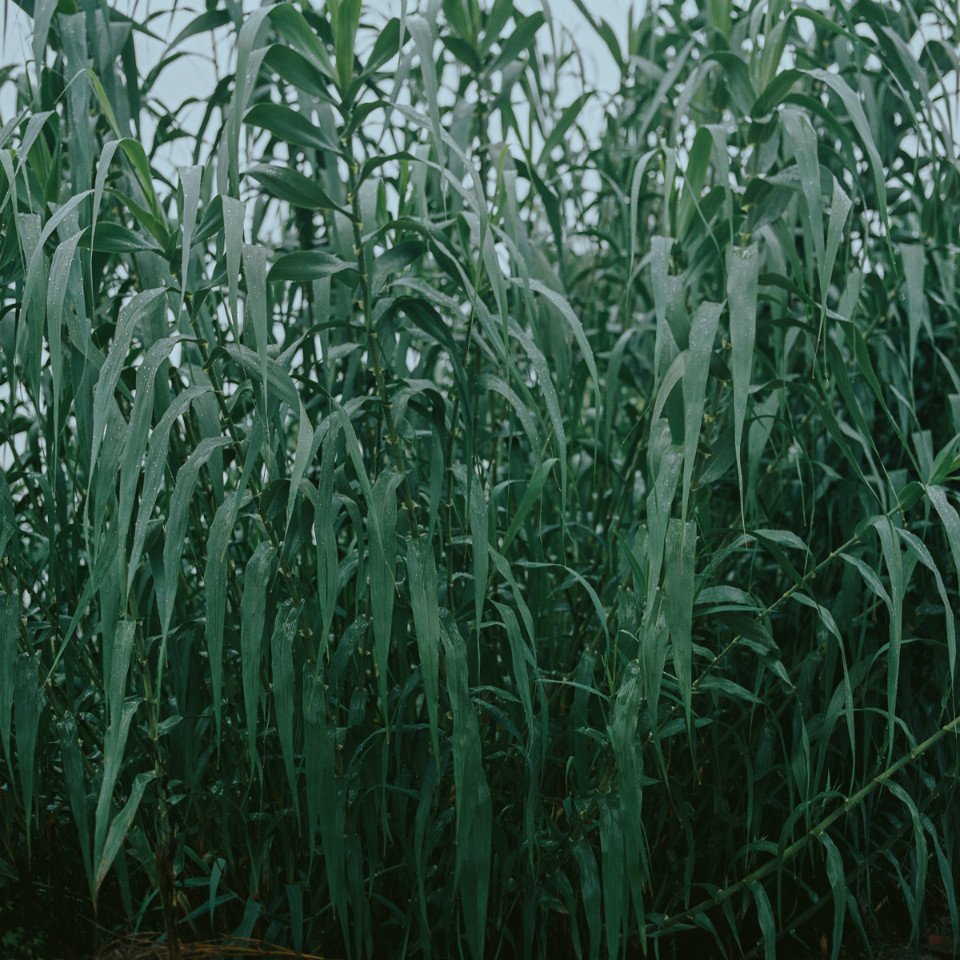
(430, 530)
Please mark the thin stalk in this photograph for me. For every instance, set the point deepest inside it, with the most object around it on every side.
(454, 431)
(893, 838)
(815, 832)
(376, 361)
(764, 614)
(163, 854)
(49, 684)
(293, 585)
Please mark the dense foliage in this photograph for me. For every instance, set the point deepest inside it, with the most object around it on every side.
(428, 528)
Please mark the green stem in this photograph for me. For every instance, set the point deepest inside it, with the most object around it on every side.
(895, 836)
(376, 361)
(293, 585)
(815, 832)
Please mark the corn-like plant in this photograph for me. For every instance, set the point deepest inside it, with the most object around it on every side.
(432, 528)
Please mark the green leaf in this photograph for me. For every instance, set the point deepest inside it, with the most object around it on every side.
(855, 111)
(190, 187)
(290, 185)
(322, 792)
(775, 91)
(137, 432)
(307, 265)
(131, 314)
(153, 473)
(893, 560)
(613, 869)
(120, 713)
(204, 23)
(347, 19)
(105, 104)
(28, 703)
(742, 272)
(422, 580)
(298, 70)
(397, 259)
(423, 40)
(116, 238)
(278, 383)
(233, 214)
(120, 828)
(838, 887)
(559, 131)
(187, 478)
(917, 548)
(467, 54)
(289, 126)
(253, 615)
(804, 140)
(623, 740)
(917, 310)
(703, 333)
(215, 593)
(77, 790)
(294, 27)
(768, 925)
(605, 32)
(519, 654)
(946, 878)
(386, 46)
(473, 803)
(576, 328)
(9, 630)
(62, 276)
(284, 684)
(590, 892)
(518, 41)
(678, 585)
(382, 535)
(325, 515)
(301, 458)
(666, 461)
(728, 688)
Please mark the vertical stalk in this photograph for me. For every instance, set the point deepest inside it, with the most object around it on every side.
(376, 360)
(292, 583)
(164, 852)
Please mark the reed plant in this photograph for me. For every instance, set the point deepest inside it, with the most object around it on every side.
(435, 523)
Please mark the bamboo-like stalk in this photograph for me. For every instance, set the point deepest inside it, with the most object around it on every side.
(854, 800)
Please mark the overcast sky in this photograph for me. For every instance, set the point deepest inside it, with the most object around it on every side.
(195, 76)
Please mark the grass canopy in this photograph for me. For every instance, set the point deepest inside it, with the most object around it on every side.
(450, 511)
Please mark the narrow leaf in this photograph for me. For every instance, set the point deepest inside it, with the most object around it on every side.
(253, 613)
(742, 272)
(703, 333)
(678, 584)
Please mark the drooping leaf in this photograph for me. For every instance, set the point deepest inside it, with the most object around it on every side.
(284, 688)
(703, 332)
(290, 185)
(307, 265)
(28, 704)
(742, 273)
(424, 602)
(253, 617)
(678, 585)
(474, 808)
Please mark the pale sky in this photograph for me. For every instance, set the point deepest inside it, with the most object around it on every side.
(195, 75)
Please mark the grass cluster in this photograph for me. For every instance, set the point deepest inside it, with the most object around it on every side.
(428, 529)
